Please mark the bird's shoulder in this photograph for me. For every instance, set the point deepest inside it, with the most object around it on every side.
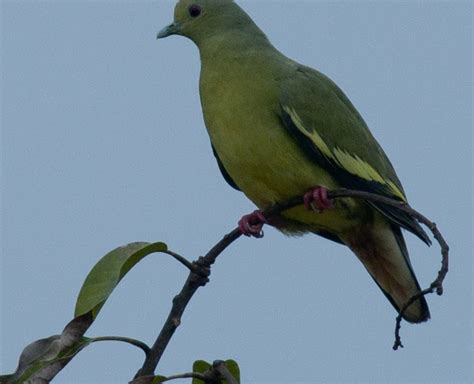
(323, 115)
(327, 126)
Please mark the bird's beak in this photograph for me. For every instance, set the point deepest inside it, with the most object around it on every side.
(171, 29)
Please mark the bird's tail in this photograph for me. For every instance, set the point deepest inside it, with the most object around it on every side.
(382, 250)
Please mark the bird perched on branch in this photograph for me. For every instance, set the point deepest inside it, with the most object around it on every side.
(280, 129)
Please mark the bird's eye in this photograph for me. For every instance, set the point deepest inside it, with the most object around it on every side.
(194, 10)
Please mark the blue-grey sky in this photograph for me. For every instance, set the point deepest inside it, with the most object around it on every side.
(103, 143)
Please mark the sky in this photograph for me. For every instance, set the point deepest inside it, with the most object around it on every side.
(103, 144)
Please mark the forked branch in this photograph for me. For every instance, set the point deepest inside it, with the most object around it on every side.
(199, 275)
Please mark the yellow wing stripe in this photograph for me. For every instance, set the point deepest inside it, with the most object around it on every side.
(351, 163)
(313, 135)
(393, 187)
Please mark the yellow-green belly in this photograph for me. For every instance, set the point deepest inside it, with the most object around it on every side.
(269, 167)
(241, 113)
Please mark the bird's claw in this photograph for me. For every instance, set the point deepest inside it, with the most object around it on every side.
(252, 224)
(316, 199)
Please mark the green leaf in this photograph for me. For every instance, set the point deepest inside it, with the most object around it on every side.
(107, 273)
(200, 366)
(44, 358)
(234, 369)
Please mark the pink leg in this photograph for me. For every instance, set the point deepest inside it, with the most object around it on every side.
(316, 199)
(252, 224)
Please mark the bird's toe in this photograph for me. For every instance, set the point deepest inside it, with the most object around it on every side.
(316, 199)
(252, 225)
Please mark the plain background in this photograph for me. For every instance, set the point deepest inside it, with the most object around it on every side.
(103, 144)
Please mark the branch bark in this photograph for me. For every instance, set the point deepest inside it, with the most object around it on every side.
(199, 276)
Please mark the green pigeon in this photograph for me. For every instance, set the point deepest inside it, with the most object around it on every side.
(280, 129)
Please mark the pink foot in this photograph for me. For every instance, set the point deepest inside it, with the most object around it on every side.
(251, 225)
(316, 199)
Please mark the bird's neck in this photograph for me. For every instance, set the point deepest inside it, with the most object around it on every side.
(234, 44)
(230, 34)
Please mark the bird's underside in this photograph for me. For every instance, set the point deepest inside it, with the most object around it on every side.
(280, 129)
(373, 237)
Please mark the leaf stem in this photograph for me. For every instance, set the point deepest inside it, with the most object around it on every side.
(181, 259)
(137, 343)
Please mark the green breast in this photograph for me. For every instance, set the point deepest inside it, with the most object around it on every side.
(241, 111)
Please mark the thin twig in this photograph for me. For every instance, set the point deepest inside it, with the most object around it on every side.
(436, 285)
(196, 280)
(189, 375)
(137, 343)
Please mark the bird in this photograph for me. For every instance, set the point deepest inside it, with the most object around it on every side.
(280, 129)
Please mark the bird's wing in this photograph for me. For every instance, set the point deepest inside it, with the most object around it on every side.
(224, 172)
(332, 133)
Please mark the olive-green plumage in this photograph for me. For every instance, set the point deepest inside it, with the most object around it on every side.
(279, 128)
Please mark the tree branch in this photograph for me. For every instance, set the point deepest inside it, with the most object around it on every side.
(196, 280)
(223, 372)
(214, 374)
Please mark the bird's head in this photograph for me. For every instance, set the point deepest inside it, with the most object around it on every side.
(202, 19)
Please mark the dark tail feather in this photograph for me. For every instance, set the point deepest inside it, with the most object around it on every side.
(402, 219)
(422, 304)
(382, 250)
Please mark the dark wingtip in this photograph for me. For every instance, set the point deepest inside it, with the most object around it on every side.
(422, 235)
(424, 314)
